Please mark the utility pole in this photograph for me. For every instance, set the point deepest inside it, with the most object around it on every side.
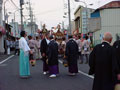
(21, 13)
(31, 17)
(69, 13)
(34, 20)
(14, 25)
(41, 25)
(63, 25)
(5, 15)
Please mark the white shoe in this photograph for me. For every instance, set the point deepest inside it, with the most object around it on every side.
(52, 76)
(44, 73)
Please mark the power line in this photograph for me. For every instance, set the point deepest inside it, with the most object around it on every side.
(14, 4)
(49, 11)
(18, 8)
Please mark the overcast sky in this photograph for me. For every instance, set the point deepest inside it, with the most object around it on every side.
(50, 12)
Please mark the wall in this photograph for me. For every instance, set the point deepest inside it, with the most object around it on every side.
(95, 14)
(85, 15)
(14, 29)
(1, 37)
(110, 22)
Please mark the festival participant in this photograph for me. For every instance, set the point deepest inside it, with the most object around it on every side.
(24, 56)
(53, 57)
(71, 53)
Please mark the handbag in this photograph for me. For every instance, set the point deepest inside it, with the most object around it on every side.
(65, 62)
(117, 87)
(33, 62)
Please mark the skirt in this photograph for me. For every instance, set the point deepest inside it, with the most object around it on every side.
(54, 69)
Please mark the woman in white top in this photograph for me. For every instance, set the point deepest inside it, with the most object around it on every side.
(24, 56)
(85, 49)
(78, 41)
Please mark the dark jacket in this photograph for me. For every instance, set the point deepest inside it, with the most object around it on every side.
(52, 53)
(71, 52)
(116, 46)
(44, 46)
(102, 65)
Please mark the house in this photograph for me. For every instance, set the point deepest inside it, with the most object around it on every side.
(15, 29)
(109, 16)
(82, 14)
(31, 29)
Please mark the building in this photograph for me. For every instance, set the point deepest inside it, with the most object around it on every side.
(109, 15)
(73, 27)
(1, 12)
(2, 30)
(31, 29)
(15, 29)
(94, 25)
(81, 19)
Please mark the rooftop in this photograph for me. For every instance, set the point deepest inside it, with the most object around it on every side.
(113, 4)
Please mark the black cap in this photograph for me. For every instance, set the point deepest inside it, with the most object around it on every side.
(70, 36)
(51, 36)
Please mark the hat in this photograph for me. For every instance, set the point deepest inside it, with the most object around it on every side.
(51, 37)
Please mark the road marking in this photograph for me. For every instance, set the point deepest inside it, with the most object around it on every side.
(60, 61)
(86, 74)
(81, 72)
(6, 59)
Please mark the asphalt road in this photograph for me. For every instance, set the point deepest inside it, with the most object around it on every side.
(9, 78)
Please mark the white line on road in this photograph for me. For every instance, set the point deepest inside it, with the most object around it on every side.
(60, 61)
(6, 59)
(86, 74)
(81, 72)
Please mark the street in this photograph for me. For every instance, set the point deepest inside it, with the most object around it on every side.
(53, 30)
(9, 78)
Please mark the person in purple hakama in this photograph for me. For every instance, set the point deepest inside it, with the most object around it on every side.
(53, 57)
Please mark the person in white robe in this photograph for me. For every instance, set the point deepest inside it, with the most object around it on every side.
(24, 56)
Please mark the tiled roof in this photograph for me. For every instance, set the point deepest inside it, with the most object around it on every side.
(113, 4)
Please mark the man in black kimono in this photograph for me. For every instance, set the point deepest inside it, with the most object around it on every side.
(101, 62)
(116, 46)
(43, 49)
(53, 57)
(71, 54)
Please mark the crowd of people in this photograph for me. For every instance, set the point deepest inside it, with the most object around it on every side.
(103, 59)
(11, 45)
(48, 49)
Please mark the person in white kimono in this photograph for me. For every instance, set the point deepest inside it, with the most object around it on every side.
(78, 41)
(85, 50)
(24, 56)
(37, 48)
(8, 46)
